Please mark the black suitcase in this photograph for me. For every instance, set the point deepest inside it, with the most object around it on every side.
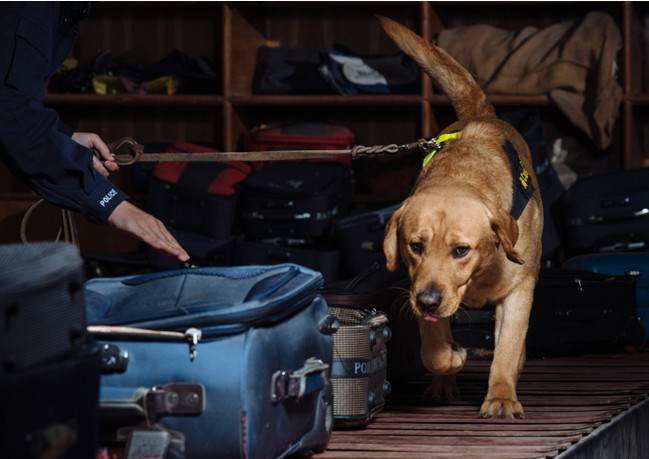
(608, 212)
(324, 260)
(360, 237)
(574, 312)
(301, 197)
(42, 303)
(51, 409)
(49, 377)
(203, 251)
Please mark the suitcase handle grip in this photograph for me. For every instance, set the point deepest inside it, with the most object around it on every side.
(590, 315)
(619, 217)
(309, 379)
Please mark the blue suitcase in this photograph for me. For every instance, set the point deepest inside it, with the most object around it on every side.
(633, 264)
(255, 341)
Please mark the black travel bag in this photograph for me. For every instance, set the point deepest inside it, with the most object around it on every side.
(608, 212)
(325, 260)
(573, 313)
(360, 237)
(299, 200)
(49, 376)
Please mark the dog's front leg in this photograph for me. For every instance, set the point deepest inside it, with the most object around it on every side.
(512, 319)
(443, 357)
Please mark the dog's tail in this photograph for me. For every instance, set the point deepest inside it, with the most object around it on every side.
(456, 82)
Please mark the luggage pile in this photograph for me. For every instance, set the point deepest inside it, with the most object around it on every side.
(243, 361)
(606, 219)
(236, 213)
(289, 209)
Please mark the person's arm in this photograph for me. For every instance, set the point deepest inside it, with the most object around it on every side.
(38, 148)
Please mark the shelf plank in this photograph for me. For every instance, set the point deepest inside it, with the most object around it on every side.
(264, 100)
(133, 100)
(369, 100)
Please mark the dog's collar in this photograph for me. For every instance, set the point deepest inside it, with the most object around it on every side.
(432, 146)
(522, 185)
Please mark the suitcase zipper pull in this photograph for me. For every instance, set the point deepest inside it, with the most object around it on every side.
(193, 336)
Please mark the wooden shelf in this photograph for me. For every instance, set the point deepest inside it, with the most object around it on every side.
(329, 100)
(231, 33)
(133, 100)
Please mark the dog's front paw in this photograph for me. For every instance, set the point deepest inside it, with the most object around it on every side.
(502, 408)
(447, 360)
(443, 388)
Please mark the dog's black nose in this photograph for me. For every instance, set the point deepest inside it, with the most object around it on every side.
(429, 301)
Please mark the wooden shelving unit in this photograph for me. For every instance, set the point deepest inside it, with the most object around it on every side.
(231, 33)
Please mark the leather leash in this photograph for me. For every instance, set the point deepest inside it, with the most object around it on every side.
(127, 151)
(67, 230)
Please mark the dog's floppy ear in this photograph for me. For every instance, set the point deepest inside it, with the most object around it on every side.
(505, 229)
(391, 240)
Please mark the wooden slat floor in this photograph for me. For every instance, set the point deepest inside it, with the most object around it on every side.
(565, 400)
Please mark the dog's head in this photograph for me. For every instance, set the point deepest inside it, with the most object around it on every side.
(448, 236)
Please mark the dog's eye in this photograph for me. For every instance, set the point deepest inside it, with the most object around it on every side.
(460, 251)
(417, 248)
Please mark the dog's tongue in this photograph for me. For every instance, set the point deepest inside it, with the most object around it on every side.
(430, 318)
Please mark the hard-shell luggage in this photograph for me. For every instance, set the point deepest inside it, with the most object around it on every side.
(632, 264)
(49, 369)
(608, 212)
(359, 368)
(303, 199)
(256, 338)
(360, 237)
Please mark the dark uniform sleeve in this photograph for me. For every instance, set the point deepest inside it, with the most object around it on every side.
(34, 143)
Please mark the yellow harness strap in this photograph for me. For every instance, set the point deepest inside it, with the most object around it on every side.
(435, 145)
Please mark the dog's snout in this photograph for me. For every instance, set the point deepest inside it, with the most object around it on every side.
(429, 301)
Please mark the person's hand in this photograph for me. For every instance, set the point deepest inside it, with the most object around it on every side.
(146, 227)
(104, 165)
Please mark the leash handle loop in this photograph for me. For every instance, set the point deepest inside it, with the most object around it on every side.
(126, 150)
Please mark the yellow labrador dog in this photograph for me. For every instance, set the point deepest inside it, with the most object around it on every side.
(470, 232)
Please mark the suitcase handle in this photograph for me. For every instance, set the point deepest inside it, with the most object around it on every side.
(590, 315)
(296, 384)
(173, 399)
(596, 219)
